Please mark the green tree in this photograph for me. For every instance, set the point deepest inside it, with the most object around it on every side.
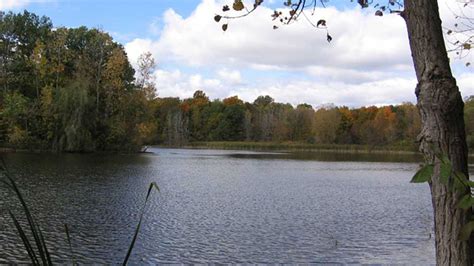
(408, 126)
(302, 123)
(197, 104)
(213, 116)
(54, 70)
(263, 118)
(469, 118)
(282, 129)
(15, 114)
(344, 132)
(326, 123)
(231, 122)
(74, 107)
(20, 34)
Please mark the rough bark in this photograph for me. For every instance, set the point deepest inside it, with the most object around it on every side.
(441, 109)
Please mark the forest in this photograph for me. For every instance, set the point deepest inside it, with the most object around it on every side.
(74, 90)
(68, 89)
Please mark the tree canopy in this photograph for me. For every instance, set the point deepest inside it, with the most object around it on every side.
(70, 89)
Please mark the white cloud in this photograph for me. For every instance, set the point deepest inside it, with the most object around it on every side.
(154, 27)
(10, 4)
(391, 90)
(388, 91)
(16, 4)
(233, 77)
(137, 47)
(350, 76)
(466, 84)
(178, 84)
(360, 40)
(122, 37)
(368, 62)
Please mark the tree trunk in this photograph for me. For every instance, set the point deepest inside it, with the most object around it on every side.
(98, 78)
(441, 109)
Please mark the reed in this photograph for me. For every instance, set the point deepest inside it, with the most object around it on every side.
(300, 146)
(36, 247)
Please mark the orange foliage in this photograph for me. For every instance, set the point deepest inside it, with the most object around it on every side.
(233, 100)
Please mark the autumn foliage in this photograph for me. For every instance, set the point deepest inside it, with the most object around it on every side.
(70, 89)
(232, 119)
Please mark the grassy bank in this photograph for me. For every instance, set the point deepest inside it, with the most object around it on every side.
(262, 146)
(295, 146)
(36, 150)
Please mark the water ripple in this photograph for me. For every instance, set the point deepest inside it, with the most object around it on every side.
(222, 207)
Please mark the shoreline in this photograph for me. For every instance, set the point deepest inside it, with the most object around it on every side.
(292, 147)
(251, 146)
(4, 150)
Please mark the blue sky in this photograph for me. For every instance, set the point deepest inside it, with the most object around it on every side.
(367, 63)
(124, 17)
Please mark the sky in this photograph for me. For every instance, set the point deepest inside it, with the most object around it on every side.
(367, 63)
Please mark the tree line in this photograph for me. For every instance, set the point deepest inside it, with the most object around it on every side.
(231, 119)
(74, 89)
(199, 119)
(70, 89)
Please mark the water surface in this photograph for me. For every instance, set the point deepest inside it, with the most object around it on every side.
(225, 207)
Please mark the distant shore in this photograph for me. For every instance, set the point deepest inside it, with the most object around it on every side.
(258, 146)
(296, 146)
(36, 150)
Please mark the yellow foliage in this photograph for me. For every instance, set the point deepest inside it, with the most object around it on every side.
(17, 137)
(146, 131)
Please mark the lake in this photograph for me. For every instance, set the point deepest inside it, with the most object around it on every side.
(224, 207)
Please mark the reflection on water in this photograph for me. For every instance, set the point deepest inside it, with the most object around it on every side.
(225, 207)
(328, 156)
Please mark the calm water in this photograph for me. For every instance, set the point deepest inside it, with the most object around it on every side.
(225, 206)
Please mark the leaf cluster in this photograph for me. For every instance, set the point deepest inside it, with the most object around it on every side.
(460, 35)
(456, 181)
(237, 5)
(290, 12)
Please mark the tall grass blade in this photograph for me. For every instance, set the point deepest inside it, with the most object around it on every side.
(6, 184)
(68, 237)
(41, 246)
(45, 248)
(31, 222)
(25, 240)
(137, 229)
